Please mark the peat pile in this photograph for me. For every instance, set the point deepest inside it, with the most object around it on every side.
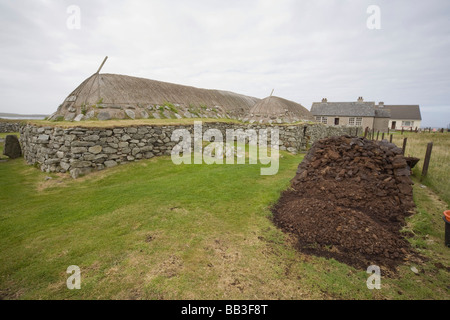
(349, 201)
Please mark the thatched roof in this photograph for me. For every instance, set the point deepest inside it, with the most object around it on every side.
(276, 108)
(120, 92)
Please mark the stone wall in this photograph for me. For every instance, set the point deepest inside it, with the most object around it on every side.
(81, 150)
(9, 126)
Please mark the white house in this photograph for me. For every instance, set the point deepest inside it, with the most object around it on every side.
(405, 117)
(365, 114)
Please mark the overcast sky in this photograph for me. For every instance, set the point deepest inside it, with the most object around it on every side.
(305, 50)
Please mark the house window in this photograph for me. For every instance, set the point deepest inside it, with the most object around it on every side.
(407, 123)
(358, 122)
(351, 121)
(322, 119)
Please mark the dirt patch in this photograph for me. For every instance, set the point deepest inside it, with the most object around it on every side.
(349, 201)
(439, 265)
(60, 180)
(11, 291)
(171, 267)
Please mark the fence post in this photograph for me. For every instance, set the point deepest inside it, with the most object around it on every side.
(403, 130)
(365, 132)
(373, 134)
(426, 162)
(378, 134)
(382, 136)
(405, 140)
(390, 139)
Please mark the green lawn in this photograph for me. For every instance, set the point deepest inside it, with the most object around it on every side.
(153, 230)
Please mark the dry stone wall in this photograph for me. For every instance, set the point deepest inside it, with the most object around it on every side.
(8, 126)
(80, 150)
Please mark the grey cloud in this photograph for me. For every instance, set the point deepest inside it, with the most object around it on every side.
(306, 50)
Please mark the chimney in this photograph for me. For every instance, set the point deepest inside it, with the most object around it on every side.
(381, 104)
(360, 99)
(324, 100)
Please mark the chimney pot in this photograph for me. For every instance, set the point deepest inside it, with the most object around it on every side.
(360, 99)
(324, 100)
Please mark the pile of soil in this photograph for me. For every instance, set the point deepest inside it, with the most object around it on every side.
(349, 201)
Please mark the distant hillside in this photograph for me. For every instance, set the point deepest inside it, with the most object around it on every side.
(22, 116)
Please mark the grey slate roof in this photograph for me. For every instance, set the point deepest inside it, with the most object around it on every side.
(344, 109)
(382, 113)
(404, 112)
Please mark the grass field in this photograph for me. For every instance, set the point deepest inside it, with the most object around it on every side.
(153, 230)
(438, 177)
